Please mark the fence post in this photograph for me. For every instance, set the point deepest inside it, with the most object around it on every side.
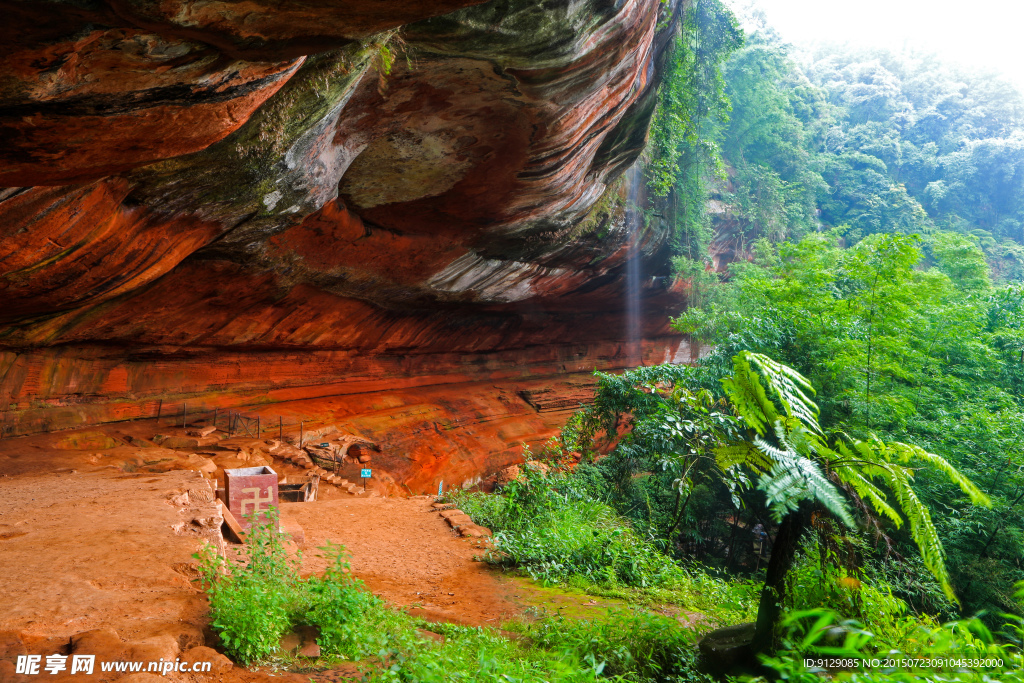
(300, 433)
(258, 430)
(159, 409)
(214, 418)
(184, 413)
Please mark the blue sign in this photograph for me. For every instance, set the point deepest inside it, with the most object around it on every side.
(325, 445)
(366, 474)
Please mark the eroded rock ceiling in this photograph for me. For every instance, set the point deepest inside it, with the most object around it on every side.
(222, 200)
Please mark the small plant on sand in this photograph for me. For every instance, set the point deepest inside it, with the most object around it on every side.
(253, 605)
(250, 604)
(353, 622)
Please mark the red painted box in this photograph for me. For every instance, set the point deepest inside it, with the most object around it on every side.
(249, 490)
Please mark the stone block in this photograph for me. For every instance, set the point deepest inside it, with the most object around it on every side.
(250, 490)
(458, 520)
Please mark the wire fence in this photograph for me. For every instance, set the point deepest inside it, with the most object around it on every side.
(185, 414)
(233, 422)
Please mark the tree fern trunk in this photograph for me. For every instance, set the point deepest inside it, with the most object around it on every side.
(774, 592)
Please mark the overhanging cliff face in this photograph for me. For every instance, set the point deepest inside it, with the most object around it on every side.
(232, 206)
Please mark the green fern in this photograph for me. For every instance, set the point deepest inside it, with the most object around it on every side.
(756, 405)
(874, 459)
(793, 461)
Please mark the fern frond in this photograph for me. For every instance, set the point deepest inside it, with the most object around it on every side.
(922, 530)
(747, 395)
(906, 452)
(794, 478)
(869, 492)
(793, 390)
(742, 453)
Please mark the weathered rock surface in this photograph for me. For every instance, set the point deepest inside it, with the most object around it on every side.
(227, 206)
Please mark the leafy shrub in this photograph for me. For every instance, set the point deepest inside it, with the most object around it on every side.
(251, 605)
(978, 656)
(353, 622)
(254, 605)
(550, 527)
(642, 646)
(587, 539)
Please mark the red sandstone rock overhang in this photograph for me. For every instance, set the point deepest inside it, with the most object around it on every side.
(224, 183)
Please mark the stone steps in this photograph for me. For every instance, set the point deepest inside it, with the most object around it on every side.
(462, 523)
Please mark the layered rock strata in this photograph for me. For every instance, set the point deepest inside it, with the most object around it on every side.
(235, 205)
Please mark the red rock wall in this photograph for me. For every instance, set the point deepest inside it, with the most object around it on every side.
(244, 208)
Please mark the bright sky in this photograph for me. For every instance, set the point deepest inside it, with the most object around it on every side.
(979, 33)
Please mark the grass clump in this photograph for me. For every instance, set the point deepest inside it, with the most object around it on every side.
(554, 528)
(253, 605)
(625, 648)
(630, 646)
(549, 526)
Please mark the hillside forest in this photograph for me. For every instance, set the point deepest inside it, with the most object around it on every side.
(844, 467)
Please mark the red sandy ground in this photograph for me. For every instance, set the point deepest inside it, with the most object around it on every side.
(406, 553)
(85, 544)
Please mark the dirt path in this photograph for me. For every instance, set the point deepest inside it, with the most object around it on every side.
(407, 554)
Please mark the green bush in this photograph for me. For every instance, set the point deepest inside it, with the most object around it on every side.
(251, 605)
(638, 645)
(254, 605)
(551, 527)
(585, 539)
(353, 622)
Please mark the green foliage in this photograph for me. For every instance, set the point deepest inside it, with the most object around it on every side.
(353, 623)
(250, 605)
(792, 469)
(916, 350)
(477, 655)
(682, 158)
(866, 140)
(960, 651)
(636, 646)
(626, 647)
(692, 94)
(556, 529)
(254, 604)
(551, 528)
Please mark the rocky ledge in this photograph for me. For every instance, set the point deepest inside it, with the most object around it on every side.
(231, 204)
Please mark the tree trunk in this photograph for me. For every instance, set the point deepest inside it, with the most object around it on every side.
(774, 592)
